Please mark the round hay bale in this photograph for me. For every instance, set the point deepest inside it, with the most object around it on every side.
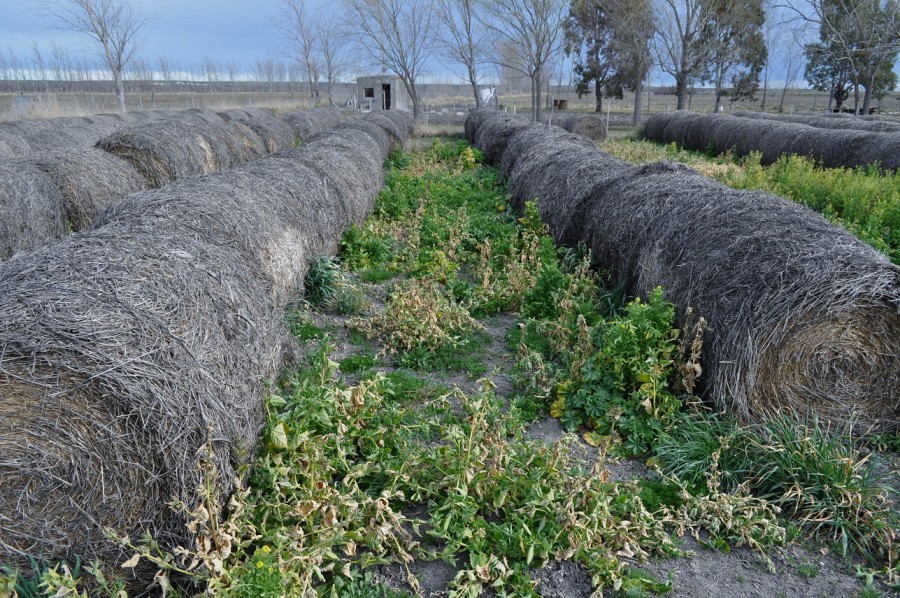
(538, 153)
(198, 115)
(12, 144)
(383, 140)
(591, 126)
(145, 346)
(245, 113)
(491, 131)
(31, 208)
(394, 127)
(307, 123)
(134, 355)
(827, 121)
(89, 180)
(253, 145)
(803, 316)
(275, 134)
(831, 147)
(165, 151)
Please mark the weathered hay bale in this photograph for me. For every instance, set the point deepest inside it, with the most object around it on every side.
(307, 123)
(826, 121)
(165, 151)
(393, 127)
(198, 115)
(491, 130)
(832, 148)
(128, 348)
(245, 113)
(31, 208)
(146, 339)
(384, 141)
(89, 180)
(12, 144)
(537, 152)
(253, 145)
(275, 134)
(803, 316)
(591, 126)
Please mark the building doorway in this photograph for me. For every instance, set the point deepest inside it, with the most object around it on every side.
(386, 96)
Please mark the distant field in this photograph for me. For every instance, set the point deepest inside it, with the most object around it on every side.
(13, 106)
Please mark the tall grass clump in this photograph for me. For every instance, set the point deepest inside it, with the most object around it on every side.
(811, 472)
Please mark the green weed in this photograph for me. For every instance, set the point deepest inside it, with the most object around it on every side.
(811, 473)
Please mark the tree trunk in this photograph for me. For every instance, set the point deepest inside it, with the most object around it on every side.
(856, 98)
(598, 91)
(473, 79)
(781, 102)
(536, 84)
(718, 107)
(120, 89)
(867, 97)
(636, 116)
(765, 87)
(681, 93)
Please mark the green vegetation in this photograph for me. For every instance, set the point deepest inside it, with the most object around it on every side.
(864, 200)
(813, 475)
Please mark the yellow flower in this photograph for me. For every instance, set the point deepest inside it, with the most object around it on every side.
(259, 564)
(266, 549)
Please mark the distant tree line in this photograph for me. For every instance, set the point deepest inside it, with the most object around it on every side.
(603, 47)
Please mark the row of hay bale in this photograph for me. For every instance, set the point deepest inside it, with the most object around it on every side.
(21, 137)
(802, 315)
(307, 122)
(826, 121)
(134, 355)
(46, 193)
(832, 148)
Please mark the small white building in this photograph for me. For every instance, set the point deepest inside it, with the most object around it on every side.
(385, 92)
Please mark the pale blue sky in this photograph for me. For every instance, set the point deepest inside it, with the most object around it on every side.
(182, 30)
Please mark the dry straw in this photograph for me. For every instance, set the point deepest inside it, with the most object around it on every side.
(832, 148)
(31, 209)
(592, 126)
(306, 123)
(826, 121)
(127, 349)
(167, 150)
(88, 179)
(275, 133)
(803, 316)
(12, 143)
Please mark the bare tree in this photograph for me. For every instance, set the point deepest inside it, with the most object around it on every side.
(164, 68)
(332, 48)
(533, 30)
(301, 30)
(211, 72)
(397, 34)
(114, 24)
(40, 70)
(463, 38)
